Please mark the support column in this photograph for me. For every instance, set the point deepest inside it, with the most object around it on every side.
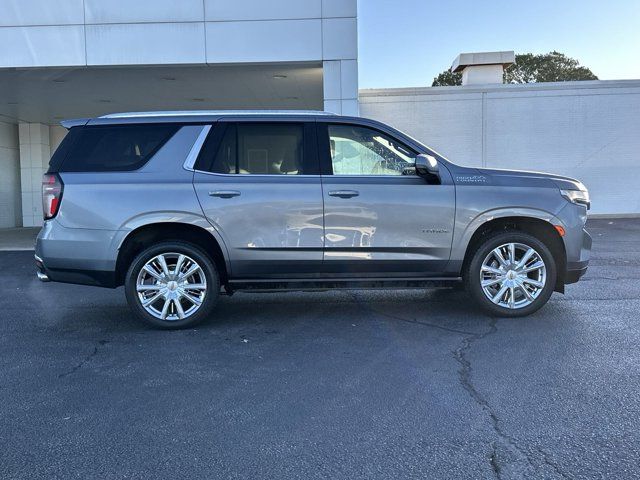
(10, 213)
(340, 82)
(35, 153)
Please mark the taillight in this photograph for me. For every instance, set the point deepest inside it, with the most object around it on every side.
(51, 194)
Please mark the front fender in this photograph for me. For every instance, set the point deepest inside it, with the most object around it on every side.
(465, 228)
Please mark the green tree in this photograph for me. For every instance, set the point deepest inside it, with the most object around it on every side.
(447, 78)
(550, 67)
(530, 68)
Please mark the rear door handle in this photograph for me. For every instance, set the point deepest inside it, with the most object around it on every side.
(343, 193)
(224, 193)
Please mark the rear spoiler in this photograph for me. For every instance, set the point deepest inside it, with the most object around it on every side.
(76, 122)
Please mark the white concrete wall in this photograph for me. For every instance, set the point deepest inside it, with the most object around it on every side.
(44, 33)
(586, 130)
(25, 151)
(10, 213)
(340, 81)
(56, 134)
(35, 153)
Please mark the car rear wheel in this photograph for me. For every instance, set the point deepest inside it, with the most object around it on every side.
(511, 274)
(172, 285)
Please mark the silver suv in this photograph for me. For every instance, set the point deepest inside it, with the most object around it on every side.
(180, 207)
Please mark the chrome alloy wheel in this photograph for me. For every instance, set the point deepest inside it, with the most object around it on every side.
(513, 275)
(171, 286)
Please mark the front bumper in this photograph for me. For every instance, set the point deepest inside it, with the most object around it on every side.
(573, 275)
(577, 268)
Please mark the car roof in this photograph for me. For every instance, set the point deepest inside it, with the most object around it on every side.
(190, 116)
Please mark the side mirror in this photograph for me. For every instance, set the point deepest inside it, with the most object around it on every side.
(427, 165)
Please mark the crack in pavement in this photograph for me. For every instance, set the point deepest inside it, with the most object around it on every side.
(418, 322)
(407, 320)
(425, 324)
(493, 460)
(85, 360)
(556, 468)
(464, 375)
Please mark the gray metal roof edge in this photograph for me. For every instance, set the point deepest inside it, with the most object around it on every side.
(212, 113)
(498, 87)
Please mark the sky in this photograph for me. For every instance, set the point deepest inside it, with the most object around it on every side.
(406, 43)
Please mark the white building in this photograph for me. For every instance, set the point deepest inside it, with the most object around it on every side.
(79, 58)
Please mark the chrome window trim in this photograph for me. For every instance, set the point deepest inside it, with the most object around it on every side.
(195, 149)
(253, 175)
(371, 176)
(280, 175)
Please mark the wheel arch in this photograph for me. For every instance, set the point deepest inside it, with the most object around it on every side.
(148, 234)
(543, 229)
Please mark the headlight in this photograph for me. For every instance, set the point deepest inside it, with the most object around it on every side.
(579, 197)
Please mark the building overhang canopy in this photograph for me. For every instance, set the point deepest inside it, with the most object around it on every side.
(49, 95)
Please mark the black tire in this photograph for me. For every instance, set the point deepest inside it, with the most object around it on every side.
(473, 281)
(200, 257)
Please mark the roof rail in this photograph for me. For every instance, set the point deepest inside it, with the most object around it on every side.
(186, 113)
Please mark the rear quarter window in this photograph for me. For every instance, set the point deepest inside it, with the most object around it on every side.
(112, 148)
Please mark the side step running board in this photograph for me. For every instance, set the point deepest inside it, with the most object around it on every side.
(271, 285)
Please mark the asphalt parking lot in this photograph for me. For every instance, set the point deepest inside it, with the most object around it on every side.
(376, 384)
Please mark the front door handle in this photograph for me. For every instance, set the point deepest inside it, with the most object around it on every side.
(224, 193)
(343, 193)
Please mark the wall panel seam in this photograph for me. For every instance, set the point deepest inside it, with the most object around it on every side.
(84, 30)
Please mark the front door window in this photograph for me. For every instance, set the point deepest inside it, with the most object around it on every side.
(359, 150)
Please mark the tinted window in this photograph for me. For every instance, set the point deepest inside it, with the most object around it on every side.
(359, 150)
(115, 148)
(261, 149)
(63, 149)
(226, 158)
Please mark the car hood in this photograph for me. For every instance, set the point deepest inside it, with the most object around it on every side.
(490, 176)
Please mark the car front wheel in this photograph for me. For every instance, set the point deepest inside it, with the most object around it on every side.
(511, 274)
(172, 285)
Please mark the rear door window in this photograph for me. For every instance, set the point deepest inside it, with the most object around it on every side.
(269, 148)
(114, 147)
